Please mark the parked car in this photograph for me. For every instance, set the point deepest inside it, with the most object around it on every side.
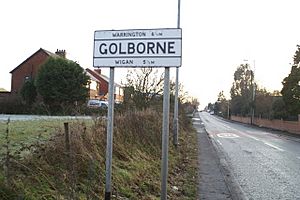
(96, 103)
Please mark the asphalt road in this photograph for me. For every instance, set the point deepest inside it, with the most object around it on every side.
(264, 164)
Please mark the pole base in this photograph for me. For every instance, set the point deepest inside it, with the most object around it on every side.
(107, 195)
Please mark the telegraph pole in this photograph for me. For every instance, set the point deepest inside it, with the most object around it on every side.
(253, 93)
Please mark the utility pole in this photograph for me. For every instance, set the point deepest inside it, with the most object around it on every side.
(253, 93)
(228, 110)
(253, 101)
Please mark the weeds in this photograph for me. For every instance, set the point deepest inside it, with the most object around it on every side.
(70, 165)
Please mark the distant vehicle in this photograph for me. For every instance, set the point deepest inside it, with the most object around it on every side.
(212, 112)
(95, 103)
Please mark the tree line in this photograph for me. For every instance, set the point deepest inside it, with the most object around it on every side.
(247, 98)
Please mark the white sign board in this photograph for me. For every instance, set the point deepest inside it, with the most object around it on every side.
(138, 48)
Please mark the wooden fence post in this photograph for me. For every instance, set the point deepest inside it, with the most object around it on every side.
(67, 138)
(69, 161)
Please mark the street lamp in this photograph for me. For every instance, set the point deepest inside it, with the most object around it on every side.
(175, 119)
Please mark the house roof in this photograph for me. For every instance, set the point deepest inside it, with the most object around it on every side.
(92, 75)
(38, 51)
(100, 77)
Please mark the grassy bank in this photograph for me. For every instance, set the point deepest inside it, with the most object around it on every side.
(52, 171)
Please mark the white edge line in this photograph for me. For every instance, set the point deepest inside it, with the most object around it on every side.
(254, 138)
(273, 146)
(219, 142)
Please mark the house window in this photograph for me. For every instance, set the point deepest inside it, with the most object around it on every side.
(26, 78)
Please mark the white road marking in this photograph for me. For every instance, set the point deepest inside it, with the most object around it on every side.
(228, 127)
(219, 142)
(227, 135)
(252, 137)
(273, 146)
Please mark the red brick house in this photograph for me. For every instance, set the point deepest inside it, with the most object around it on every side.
(28, 69)
(99, 86)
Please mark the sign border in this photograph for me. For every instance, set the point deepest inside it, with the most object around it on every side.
(154, 38)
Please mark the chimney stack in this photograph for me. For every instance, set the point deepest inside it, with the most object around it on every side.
(61, 53)
(98, 70)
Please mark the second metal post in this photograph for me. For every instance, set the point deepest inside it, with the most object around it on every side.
(175, 120)
(165, 135)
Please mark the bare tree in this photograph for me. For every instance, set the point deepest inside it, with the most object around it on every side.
(143, 86)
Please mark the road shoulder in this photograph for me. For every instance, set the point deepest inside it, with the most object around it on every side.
(212, 184)
(216, 180)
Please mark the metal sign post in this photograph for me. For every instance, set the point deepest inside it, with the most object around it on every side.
(109, 135)
(165, 134)
(138, 48)
(175, 120)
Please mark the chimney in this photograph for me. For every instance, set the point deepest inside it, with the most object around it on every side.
(61, 53)
(98, 70)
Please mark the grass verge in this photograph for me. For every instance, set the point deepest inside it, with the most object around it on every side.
(51, 171)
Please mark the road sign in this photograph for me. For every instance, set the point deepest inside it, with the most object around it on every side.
(138, 48)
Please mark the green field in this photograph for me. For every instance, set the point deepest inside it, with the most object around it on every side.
(22, 135)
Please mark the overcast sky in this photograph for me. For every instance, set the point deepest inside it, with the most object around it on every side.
(218, 35)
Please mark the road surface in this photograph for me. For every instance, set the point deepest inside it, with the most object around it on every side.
(264, 164)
